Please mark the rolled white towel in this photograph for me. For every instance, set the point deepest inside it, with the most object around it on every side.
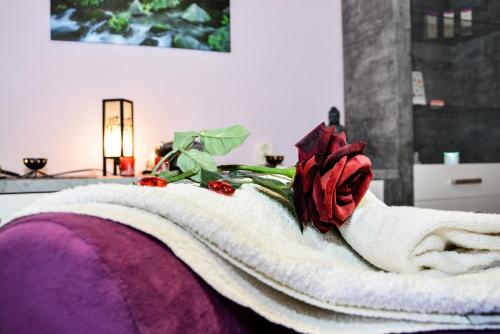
(409, 240)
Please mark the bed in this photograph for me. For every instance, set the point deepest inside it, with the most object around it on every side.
(73, 273)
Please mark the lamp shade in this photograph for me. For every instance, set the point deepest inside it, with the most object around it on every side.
(118, 131)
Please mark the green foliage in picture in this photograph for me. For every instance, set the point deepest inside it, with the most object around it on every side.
(157, 5)
(159, 28)
(94, 3)
(59, 8)
(184, 24)
(119, 23)
(87, 3)
(225, 20)
(219, 40)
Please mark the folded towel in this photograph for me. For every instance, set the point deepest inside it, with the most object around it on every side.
(408, 240)
(250, 249)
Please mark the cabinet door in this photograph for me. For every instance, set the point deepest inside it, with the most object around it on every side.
(11, 203)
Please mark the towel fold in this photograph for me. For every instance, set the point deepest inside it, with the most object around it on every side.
(251, 250)
(409, 240)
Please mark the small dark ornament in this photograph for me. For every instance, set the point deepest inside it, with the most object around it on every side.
(34, 164)
(274, 160)
(334, 119)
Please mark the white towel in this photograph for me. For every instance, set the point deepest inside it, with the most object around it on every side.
(250, 249)
(408, 240)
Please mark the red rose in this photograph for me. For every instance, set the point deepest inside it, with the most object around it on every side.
(331, 178)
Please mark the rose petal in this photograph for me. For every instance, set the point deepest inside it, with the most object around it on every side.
(347, 187)
(323, 144)
(366, 176)
(343, 210)
(323, 227)
(358, 163)
(348, 150)
(329, 183)
(308, 146)
(309, 172)
(318, 197)
(363, 187)
(357, 170)
(338, 141)
(344, 198)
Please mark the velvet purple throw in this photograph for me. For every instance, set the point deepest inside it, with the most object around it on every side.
(69, 273)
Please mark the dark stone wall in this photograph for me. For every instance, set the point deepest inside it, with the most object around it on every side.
(465, 73)
(473, 133)
(476, 66)
(377, 79)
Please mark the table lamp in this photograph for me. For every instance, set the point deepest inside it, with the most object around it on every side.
(118, 135)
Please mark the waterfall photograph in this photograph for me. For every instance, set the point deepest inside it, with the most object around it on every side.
(186, 24)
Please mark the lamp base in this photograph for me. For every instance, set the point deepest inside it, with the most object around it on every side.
(116, 164)
(35, 174)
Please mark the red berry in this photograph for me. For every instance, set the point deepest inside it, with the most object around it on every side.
(221, 187)
(152, 181)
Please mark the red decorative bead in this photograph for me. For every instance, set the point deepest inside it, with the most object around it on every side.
(221, 187)
(214, 186)
(227, 189)
(152, 181)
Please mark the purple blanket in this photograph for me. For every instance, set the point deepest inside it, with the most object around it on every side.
(69, 273)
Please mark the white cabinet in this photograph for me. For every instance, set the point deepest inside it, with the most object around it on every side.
(465, 187)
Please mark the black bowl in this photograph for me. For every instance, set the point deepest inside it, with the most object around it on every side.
(35, 163)
(274, 160)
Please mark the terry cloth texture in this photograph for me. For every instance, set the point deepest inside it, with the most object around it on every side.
(408, 240)
(250, 249)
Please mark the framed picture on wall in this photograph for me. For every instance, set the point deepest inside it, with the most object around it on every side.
(186, 24)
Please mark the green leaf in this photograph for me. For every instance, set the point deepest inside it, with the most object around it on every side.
(194, 159)
(235, 185)
(167, 174)
(270, 183)
(237, 174)
(181, 176)
(208, 176)
(184, 140)
(222, 141)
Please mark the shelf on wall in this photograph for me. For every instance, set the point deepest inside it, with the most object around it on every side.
(455, 108)
(478, 28)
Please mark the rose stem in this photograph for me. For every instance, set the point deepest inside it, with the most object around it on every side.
(288, 172)
(182, 176)
(155, 169)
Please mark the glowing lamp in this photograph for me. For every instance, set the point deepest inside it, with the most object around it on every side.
(117, 131)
